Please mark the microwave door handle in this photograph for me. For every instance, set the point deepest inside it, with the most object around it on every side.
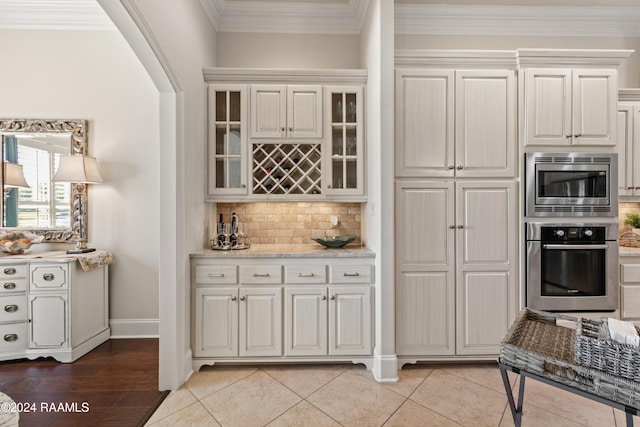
(575, 246)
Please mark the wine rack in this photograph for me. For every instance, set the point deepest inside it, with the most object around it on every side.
(287, 168)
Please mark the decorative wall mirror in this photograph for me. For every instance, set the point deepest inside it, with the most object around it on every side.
(46, 208)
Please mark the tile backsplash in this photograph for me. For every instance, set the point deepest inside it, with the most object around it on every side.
(291, 222)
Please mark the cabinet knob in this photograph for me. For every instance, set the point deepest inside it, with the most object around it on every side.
(356, 274)
(290, 129)
(233, 298)
(11, 337)
(261, 274)
(577, 136)
(450, 167)
(323, 297)
(281, 129)
(306, 274)
(48, 277)
(452, 227)
(10, 270)
(242, 298)
(333, 297)
(243, 186)
(10, 285)
(630, 188)
(460, 167)
(636, 188)
(460, 227)
(11, 308)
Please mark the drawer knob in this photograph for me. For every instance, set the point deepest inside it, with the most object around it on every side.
(306, 274)
(11, 337)
(242, 298)
(48, 277)
(324, 297)
(333, 297)
(351, 274)
(233, 298)
(10, 285)
(9, 270)
(261, 274)
(11, 308)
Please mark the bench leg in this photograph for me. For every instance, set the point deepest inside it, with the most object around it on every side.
(516, 412)
(629, 419)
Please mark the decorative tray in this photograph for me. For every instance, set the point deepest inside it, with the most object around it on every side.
(239, 247)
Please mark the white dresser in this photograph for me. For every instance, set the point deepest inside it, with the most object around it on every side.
(51, 307)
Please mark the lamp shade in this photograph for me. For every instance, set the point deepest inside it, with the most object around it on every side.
(14, 176)
(79, 169)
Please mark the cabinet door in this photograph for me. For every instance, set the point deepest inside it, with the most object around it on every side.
(349, 320)
(261, 321)
(345, 152)
(547, 107)
(268, 111)
(216, 322)
(227, 146)
(305, 321)
(425, 265)
(485, 119)
(424, 123)
(486, 260)
(49, 321)
(595, 103)
(626, 151)
(304, 111)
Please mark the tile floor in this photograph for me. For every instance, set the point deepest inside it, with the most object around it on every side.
(347, 395)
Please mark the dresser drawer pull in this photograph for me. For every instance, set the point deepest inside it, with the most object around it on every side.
(11, 337)
(11, 308)
(10, 270)
(48, 277)
(351, 274)
(215, 275)
(261, 275)
(306, 274)
(10, 285)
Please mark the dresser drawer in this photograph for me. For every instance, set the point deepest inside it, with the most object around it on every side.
(351, 274)
(217, 274)
(13, 308)
(11, 271)
(306, 274)
(13, 337)
(267, 274)
(48, 277)
(13, 285)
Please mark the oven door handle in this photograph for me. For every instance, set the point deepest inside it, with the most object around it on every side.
(575, 246)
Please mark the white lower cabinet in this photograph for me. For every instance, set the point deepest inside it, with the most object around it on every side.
(281, 309)
(52, 308)
(630, 289)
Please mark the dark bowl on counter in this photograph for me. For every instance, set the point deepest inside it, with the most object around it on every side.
(334, 242)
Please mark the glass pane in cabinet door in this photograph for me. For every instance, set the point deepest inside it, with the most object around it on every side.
(352, 142)
(336, 107)
(337, 142)
(220, 173)
(221, 140)
(234, 173)
(336, 179)
(351, 108)
(234, 140)
(352, 177)
(221, 106)
(234, 106)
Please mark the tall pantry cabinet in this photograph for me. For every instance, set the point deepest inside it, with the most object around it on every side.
(456, 208)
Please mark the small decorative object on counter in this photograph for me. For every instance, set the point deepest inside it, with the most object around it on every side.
(633, 219)
(16, 242)
(229, 236)
(334, 242)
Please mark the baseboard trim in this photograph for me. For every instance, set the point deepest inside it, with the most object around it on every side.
(134, 328)
(385, 368)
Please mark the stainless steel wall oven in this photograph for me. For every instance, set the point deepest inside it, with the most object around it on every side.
(572, 267)
(571, 184)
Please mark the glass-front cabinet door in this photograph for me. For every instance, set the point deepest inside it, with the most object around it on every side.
(227, 148)
(344, 153)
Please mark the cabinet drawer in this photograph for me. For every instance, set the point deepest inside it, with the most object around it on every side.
(306, 274)
(630, 302)
(13, 308)
(260, 274)
(13, 337)
(13, 285)
(217, 274)
(351, 274)
(629, 273)
(11, 271)
(48, 277)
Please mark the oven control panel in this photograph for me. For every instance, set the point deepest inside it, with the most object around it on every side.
(573, 234)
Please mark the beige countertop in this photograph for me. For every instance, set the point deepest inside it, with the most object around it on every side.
(288, 251)
(627, 251)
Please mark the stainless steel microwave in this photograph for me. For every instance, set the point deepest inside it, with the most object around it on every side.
(571, 184)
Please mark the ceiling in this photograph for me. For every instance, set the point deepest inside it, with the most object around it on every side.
(444, 17)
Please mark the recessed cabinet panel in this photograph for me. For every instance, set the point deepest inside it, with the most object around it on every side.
(261, 321)
(349, 320)
(305, 321)
(548, 106)
(50, 329)
(216, 319)
(48, 277)
(630, 302)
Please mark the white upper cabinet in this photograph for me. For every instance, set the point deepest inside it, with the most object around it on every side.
(570, 107)
(455, 123)
(629, 144)
(286, 111)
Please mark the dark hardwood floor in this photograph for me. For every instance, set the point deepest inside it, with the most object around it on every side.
(116, 384)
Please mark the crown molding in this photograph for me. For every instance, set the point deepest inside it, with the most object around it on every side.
(629, 94)
(457, 58)
(610, 58)
(53, 15)
(287, 17)
(422, 19)
(275, 75)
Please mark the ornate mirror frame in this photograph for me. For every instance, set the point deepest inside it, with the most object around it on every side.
(78, 133)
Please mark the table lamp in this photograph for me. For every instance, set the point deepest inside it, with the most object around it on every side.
(79, 170)
(13, 176)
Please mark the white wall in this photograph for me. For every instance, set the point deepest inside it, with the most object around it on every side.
(94, 75)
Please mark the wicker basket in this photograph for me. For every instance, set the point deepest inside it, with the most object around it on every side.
(621, 360)
(536, 343)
